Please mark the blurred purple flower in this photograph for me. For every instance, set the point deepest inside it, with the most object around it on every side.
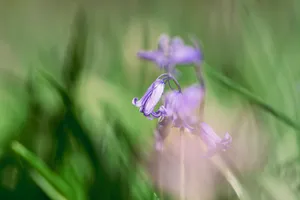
(181, 106)
(213, 142)
(182, 54)
(160, 55)
(172, 52)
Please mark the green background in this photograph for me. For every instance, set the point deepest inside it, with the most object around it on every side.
(68, 129)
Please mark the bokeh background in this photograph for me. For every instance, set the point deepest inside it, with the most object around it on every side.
(69, 71)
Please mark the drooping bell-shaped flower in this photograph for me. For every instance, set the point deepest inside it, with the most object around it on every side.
(182, 107)
(150, 99)
(213, 142)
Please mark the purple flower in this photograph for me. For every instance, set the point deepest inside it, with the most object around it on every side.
(213, 142)
(160, 55)
(182, 54)
(152, 96)
(171, 53)
(181, 107)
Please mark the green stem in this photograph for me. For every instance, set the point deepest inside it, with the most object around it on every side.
(198, 70)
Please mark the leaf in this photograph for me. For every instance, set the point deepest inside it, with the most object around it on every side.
(81, 135)
(251, 97)
(277, 188)
(75, 170)
(76, 52)
(46, 187)
(53, 179)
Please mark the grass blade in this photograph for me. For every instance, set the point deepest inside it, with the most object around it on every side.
(46, 187)
(53, 179)
(76, 52)
(80, 134)
(251, 97)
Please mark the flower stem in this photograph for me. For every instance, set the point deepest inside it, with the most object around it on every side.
(198, 70)
(171, 77)
(182, 165)
(236, 185)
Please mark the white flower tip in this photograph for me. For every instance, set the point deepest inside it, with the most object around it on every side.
(134, 100)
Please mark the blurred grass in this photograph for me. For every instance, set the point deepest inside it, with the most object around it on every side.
(87, 132)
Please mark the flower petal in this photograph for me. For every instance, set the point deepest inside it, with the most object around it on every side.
(181, 107)
(177, 42)
(150, 99)
(150, 55)
(159, 113)
(157, 57)
(136, 102)
(213, 142)
(164, 43)
(185, 55)
(209, 135)
(158, 89)
(172, 52)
